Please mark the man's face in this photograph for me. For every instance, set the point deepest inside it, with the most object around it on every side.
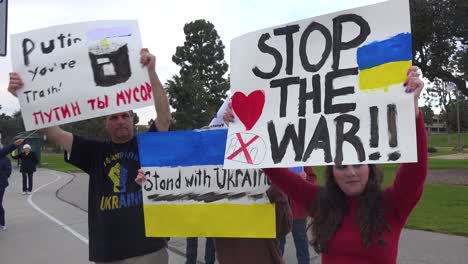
(120, 127)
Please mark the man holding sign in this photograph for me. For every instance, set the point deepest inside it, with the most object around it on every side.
(115, 214)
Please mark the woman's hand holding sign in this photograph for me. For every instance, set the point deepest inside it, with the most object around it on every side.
(414, 84)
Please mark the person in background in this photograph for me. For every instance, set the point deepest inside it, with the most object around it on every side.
(28, 166)
(299, 226)
(192, 251)
(258, 250)
(5, 172)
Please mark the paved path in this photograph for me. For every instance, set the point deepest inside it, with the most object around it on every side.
(44, 229)
(448, 176)
(455, 156)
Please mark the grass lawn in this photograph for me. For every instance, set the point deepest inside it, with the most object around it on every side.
(440, 140)
(54, 161)
(443, 208)
(438, 164)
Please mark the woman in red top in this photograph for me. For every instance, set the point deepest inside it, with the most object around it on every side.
(354, 220)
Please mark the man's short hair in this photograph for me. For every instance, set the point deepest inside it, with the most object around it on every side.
(130, 112)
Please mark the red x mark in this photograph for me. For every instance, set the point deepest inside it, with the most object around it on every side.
(243, 148)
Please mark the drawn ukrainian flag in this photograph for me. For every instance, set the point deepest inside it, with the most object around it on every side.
(186, 213)
(384, 63)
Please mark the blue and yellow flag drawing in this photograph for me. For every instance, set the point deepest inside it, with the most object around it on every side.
(189, 194)
(384, 63)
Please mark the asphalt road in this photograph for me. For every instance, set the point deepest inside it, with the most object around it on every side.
(50, 226)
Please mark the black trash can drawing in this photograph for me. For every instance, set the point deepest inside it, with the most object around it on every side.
(110, 64)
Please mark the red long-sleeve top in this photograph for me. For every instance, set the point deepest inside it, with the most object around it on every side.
(346, 245)
(299, 212)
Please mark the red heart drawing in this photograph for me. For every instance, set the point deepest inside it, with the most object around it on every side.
(248, 108)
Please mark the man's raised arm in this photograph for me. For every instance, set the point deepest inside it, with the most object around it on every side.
(163, 119)
(59, 137)
(56, 135)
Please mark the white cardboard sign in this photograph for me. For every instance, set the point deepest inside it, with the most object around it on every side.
(79, 71)
(324, 90)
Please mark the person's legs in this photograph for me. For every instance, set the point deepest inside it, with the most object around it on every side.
(209, 251)
(30, 181)
(300, 241)
(282, 242)
(2, 211)
(191, 250)
(25, 177)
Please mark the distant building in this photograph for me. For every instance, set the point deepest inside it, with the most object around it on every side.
(437, 126)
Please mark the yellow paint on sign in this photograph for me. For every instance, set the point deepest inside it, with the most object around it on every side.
(210, 220)
(383, 76)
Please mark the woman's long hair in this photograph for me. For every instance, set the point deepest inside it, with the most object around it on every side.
(331, 206)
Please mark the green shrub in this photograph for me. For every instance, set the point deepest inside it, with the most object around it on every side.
(432, 150)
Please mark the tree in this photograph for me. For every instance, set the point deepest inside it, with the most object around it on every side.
(189, 98)
(10, 126)
(90, 128)
(439, 94)
(199, 89)
(136, 118)
(440, 40)
(451, 115)
(150, 122)
(428, 114)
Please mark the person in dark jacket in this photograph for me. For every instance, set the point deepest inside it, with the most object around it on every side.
(5, 172)
(28, 167)
(258, 250)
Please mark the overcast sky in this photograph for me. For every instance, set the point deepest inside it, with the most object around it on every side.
(161, 24)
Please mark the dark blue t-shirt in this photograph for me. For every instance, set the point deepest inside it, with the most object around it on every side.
(115, 205)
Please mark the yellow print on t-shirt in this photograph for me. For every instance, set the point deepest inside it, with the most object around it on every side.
(123, 200)
(110, 159)
(114, 175)
(118, 176)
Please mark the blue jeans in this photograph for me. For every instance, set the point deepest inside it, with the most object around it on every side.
(192, 249)
(300, 241)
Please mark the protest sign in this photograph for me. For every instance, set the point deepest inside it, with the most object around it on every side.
(189, 194)
(217, 122)
(79, 71)
(325, 90)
